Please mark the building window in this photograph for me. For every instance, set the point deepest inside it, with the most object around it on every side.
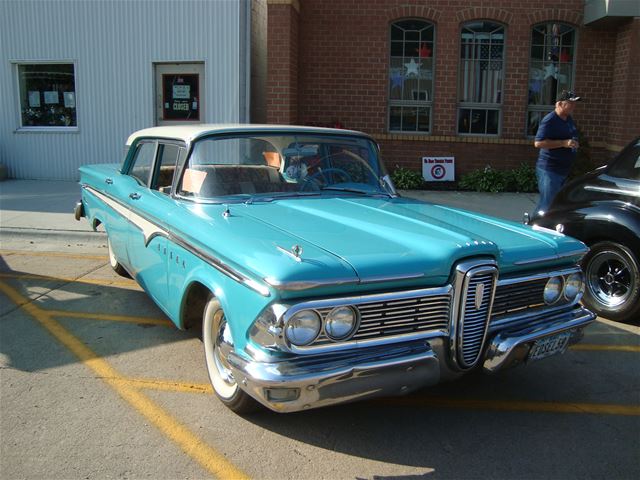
(47, 95)
(551, 69)
(411, 76)
(481, 77)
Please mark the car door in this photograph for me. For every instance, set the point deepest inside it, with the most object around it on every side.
(150, 210)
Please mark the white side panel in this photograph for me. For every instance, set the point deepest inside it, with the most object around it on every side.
(114, 46)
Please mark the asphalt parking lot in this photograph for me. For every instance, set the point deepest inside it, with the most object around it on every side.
(96, 383)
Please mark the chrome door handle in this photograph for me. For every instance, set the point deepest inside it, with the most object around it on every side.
(108, 181)
(134, 196)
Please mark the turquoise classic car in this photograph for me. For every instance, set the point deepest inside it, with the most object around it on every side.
(313, 281)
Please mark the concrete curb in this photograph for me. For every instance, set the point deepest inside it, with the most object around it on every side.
(82, 236)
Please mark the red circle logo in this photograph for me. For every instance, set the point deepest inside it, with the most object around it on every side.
(438, 172)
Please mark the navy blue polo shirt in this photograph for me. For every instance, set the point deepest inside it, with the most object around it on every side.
(557, 160)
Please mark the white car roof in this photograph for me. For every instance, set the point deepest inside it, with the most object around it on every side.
(188, 133)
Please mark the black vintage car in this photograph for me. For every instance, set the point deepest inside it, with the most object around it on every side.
(602, 208)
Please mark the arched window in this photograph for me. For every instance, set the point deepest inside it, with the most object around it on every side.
(481, 78)
(551, 69)
(411, 76)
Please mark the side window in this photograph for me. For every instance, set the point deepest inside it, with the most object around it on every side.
(628, 164)
(143, 162)
(168, 158)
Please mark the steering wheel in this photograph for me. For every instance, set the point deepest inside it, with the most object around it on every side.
(311, 179)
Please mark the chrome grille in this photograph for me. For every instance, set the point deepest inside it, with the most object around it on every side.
(398, 317)
(473, 326)
(519, 297)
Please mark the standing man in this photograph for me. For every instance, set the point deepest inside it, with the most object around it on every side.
(557, 139)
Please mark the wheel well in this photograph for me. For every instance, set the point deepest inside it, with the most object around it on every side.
(193, 305)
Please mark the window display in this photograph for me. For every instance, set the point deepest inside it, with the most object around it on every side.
(47, 95)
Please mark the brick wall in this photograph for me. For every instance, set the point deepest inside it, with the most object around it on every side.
(343, 63)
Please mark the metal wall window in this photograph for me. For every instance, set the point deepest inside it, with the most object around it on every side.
(481, 78)
(47, 95)
(411, 76)
(551, 69)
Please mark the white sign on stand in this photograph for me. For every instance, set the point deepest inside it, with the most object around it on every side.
(439, 169)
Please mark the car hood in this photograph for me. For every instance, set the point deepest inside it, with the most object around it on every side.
(374, 239)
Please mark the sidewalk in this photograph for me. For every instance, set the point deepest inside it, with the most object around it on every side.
(39, 207)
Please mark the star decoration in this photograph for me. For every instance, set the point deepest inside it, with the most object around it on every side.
(397, 79)
(424, 51)
(412, 67)
(550, 71)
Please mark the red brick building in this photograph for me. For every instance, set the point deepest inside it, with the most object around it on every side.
(462, 78)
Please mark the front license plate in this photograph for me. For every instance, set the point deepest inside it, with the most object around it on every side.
(547, 346)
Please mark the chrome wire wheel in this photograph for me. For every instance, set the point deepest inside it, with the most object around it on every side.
(218, 343)
(612, 281)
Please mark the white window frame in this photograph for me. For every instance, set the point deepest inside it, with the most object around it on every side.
(43, 129)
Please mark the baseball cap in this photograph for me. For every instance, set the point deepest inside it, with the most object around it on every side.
(568, 96)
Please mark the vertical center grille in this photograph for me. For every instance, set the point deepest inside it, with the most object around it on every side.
(476, 289)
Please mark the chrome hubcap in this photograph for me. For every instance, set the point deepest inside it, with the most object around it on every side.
(222, 346)
(609, 279)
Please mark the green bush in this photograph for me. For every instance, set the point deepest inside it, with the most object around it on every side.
(405, 179)
(488, 179)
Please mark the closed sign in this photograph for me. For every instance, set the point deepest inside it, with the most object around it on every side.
(438, 169)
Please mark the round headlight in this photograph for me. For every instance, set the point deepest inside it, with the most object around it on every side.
(303, 327)
(553, 290)
(340, 323)
(574, 287)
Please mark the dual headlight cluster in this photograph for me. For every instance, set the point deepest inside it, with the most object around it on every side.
(304, 327)
(569, 287)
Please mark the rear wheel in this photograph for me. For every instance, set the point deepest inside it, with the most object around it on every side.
(119, 269)
(217, 345)
(612, 277)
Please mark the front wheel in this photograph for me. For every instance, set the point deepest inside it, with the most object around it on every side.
(612, 276)
(216, 336)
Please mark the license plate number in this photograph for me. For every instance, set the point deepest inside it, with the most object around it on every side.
(545, 347)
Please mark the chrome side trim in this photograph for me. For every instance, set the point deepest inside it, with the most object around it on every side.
(572, 253)
(310, 284)
(615, 191)
(150, 230)
(537, 276)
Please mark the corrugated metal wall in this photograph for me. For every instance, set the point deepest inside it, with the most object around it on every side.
(114, 45)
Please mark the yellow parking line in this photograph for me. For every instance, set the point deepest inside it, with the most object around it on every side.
(512, 405)
(111, 318)
(213, 461)
(168, 386)
(605, 348)
(54, 254)
(89, 281)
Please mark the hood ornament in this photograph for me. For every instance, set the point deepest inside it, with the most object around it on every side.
(295, 252)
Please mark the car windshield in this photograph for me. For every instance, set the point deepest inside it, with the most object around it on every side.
(269, 166)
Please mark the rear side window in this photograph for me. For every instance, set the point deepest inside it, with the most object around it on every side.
(627, 165)
(143, 162)
(168, 158)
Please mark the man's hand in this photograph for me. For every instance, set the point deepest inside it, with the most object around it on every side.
(551, 144)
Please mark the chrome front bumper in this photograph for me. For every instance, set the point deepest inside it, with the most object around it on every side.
(313, 381)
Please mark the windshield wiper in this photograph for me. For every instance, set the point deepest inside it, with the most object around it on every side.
(354, 190)
(277, 196)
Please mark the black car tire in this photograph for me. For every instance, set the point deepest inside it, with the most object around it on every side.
(612, 276)
(217, 344)
(119, 269)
